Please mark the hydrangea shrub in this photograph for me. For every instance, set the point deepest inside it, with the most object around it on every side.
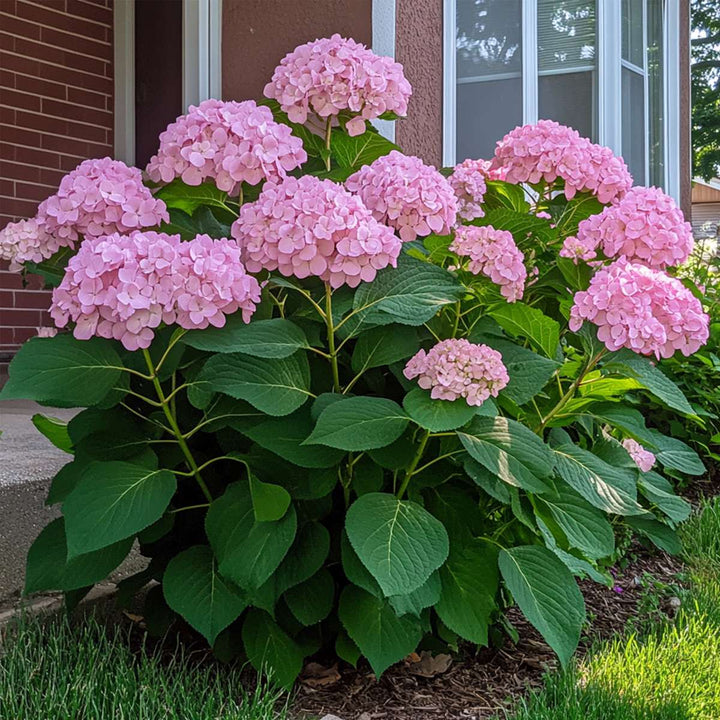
(343, 400)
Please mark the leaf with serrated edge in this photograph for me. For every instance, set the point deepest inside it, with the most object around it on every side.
(193, 588)
(382, 636)
(547, 594)
(112, 501)
(276, 338)
(510, 451)
(277, 386)
(359, 423)
(398, 541)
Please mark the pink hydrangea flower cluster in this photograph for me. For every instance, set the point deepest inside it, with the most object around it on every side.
(27, 241)
(403, 192)
(307, 226)
(227, 142)
(576, 249)
(645, 226)
(335, 75)
(493, 253)
(548, 151)
(642, 309)
(124, 286)
(457, 368)
(100, 197)
(468, 181)
(643, 458)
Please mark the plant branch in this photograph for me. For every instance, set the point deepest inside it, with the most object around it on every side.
(411, 470)
(331, 338)
(175, 428)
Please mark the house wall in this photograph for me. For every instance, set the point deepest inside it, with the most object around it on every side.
(56, 99)
(419, 47)
(257, 34)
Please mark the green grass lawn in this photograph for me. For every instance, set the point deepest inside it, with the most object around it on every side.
(51, 670)
(672, 673)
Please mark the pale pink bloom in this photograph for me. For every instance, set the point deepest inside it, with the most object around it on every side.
(643, 458)
(307, 226)
(125, 286)
(403, 192)
(468, 180)
(575, 249)
(228, 143)
(643, 309)
(492, 253)
(335, 75)
(548, 151)
(457, 368)
(100, 197)
(645, 226)
(46, 332)
(28, 241)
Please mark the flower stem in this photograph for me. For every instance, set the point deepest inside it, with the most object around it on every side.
(331, 338)
(568, 396)
(175, 428)
(328, 137)
(411, 470)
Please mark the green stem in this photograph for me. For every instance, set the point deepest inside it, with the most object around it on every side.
(175, 428)
(411, 470)
(190, 507)
(328, 137)
(457, 319)
(331, 338)
(568, 396)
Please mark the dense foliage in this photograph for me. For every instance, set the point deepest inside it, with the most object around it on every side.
(329, 413)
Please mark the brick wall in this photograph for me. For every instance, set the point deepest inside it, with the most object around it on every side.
(56, 101)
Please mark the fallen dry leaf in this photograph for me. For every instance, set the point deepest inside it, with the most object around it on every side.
(316, 675)
(428, 665)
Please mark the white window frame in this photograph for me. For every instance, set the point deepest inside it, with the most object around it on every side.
(383, 43)
(201, 64)
(609, 64)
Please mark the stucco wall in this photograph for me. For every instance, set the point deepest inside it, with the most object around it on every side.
(420, 49)
(257, 34)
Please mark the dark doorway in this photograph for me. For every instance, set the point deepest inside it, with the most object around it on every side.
(158, 72)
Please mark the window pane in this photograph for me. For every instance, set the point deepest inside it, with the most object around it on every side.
(633, 132)
(566, 63)
(568, 99)
(489, 74)
(632, 35)
(566, 35)
(656, 92)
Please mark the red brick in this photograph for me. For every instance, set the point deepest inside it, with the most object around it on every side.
(50, 176)
(6, 298)
(17, 171)
(32, 299)
(16, 26)
(39, 86)
(21, 136)
(7, 337)
(10, 281)
(87, 97)
(44, 124)
(92, 10)
(16, 99)
(93, 133)
(52, 17)
(78, 149)
(76, 42)
(7, 42)
(64, 58)
(7, 78)
(21, 318)
(23, 334)
(7, 187)
(18, 207)
(71, 111)
(7, 116)
(29, 155)
(33, 192)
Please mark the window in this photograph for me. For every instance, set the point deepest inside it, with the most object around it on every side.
(608, 68)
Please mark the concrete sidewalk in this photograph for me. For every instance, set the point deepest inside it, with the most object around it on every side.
(28, 462)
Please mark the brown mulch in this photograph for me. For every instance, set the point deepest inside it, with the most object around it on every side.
(480, 685)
